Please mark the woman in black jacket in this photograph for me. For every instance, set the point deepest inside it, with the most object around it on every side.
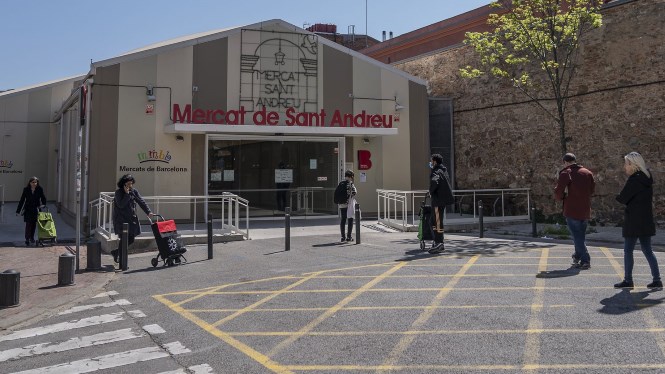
(124, 210)
(31, 200)
(637, 195)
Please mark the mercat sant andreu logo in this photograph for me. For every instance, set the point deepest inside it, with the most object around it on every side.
(6, 164)
(154, 156)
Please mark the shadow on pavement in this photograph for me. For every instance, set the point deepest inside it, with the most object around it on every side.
(627, 302)
(570, 272)
(158, 267)
(486, 247)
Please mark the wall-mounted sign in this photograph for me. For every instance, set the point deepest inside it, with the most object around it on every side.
(321, 179)
(364, 159)
(279, 70)
(283, 175)
(312, 163)
(216, 176)
(363, 177)
(291, 117)
(153, 156)
(6, 167)
(149, 108)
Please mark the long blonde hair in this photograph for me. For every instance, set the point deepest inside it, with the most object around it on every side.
(637, 161)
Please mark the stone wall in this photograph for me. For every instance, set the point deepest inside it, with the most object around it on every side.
(500, 143)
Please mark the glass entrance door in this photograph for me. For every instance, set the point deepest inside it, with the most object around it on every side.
(273, 174)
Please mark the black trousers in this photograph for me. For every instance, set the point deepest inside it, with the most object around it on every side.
(30, 227)
(436, 220)
(343, 222)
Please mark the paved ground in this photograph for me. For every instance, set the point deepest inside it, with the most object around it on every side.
(504, 305)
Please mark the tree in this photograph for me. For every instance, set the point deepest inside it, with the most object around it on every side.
(535, 45)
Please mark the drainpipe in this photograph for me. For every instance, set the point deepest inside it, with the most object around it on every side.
(86, 174)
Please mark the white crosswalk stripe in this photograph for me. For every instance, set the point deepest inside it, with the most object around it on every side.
(109, 293)
(81, 308)
(196, 369)
(69, 336)
(111, 361)
(64, 326)
(73, 343)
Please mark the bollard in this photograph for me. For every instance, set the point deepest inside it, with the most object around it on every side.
(124, 238)
(10, 285)
(66, 269)
(357, 223)
(480, 219)
(94, 255)
(287, 228)
(534, 229)
(209, 236)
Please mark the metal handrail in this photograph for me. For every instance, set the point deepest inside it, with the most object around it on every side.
(398, 208)
(231, 204)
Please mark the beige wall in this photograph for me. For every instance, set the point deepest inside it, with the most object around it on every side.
(28, 138)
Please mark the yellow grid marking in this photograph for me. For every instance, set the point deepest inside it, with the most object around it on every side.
(647, 314)
(532, 345)
(461, 368)
(264, 300)
(411, 307)
(407, 340)
(310, 326)
(242, 347)
(450, 332)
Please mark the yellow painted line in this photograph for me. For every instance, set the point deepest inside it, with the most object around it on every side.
(361, 308)
(331, 311)
(517, 264)
(263, 301)
(647, 314)
(531, 353)
(386, 264)
(475, 275)
(406, 341)
(424, 289)
(450, 332)
(247, 350)
(464, 368)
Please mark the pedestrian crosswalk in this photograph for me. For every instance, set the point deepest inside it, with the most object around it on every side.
(83, 340)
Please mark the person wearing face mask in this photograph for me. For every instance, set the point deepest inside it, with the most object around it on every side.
(442, 195)
(638, 223)
(124, 211)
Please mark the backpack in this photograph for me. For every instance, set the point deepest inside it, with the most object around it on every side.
(341, 195)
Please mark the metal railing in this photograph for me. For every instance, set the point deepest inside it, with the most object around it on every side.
(225, 207)
(400, 209)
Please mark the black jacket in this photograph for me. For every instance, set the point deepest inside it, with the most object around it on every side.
(637, 195)
(30, 203)
(124, 210)
(439, 187)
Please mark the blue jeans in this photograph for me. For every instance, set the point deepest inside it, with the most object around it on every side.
(628, 262)
(577, 229)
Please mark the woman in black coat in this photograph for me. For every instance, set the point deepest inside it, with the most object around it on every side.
(124, 210)
(637, 195)
(32, 199)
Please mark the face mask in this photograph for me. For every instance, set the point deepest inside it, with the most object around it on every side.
(430, 165)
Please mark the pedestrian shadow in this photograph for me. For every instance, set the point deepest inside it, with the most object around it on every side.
(627, 302)
(570, 272)
(333, 244)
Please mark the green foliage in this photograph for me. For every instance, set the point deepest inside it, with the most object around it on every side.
(534, 45)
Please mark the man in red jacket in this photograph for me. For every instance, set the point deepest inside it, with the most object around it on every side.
(575, 187)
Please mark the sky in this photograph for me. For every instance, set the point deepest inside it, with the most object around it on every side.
(44, 40)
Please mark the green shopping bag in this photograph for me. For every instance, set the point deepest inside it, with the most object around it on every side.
(45, 226)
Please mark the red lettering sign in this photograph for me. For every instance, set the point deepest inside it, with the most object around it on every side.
(364, 162)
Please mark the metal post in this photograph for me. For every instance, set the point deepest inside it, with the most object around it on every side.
(357, 223)
(209, 236)
(480, 219)
(534, 229)
(124, 238)
(66, 269)
(10, 285)
(94, 255)
(287, 228)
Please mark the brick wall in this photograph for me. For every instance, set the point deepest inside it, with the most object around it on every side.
(500, 143)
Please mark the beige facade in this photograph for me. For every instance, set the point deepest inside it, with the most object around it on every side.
(29, 137)
(216, 76)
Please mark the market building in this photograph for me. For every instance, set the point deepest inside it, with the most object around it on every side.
(268, 111)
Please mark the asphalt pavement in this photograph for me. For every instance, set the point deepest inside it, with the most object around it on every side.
(504, 303)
